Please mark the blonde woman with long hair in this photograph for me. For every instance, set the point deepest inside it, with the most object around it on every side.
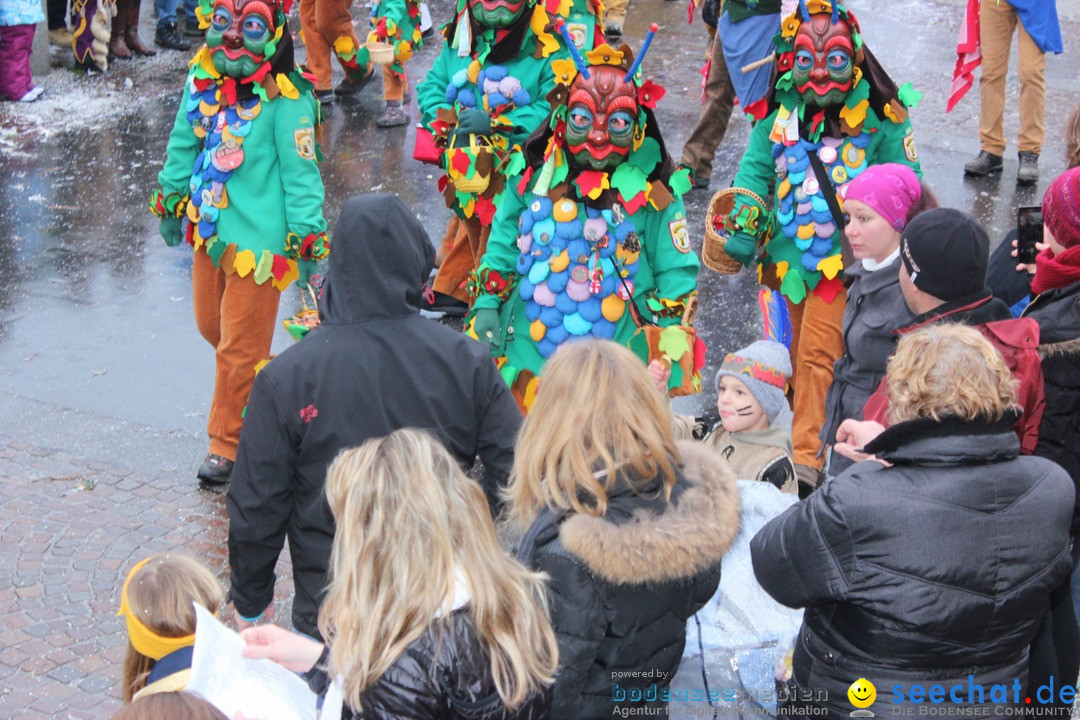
(156, 604)
(629, 525)
(426, 616)
(931, 562)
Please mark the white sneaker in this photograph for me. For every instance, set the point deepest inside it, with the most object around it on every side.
(32, 94)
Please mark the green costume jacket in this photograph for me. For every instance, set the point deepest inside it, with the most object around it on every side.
(798, 212)
(659, 276)
(260, 194)
(510, 83)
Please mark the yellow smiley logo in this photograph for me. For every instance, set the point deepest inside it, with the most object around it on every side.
(862, 693)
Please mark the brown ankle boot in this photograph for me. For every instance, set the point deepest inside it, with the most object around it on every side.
(117, 47)
(132, 34)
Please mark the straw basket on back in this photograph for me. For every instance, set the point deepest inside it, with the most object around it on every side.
(718, 228)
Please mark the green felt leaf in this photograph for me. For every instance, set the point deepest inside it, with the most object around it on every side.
(215, 248)
(673, 343)
(559, 174)
(261, 92)
(262, 270)
(793, 287)
(271, 48)
(784, 82)
(676, 378)
(679, 182)
(629, 180)
(909, 96)
(639, 346)
(654, 304)
(872, 121)
(858, 93)
(515, 164)
(646, 156)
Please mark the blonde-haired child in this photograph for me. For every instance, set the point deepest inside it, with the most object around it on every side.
(420, 589)
(754, 432)
(156, 604)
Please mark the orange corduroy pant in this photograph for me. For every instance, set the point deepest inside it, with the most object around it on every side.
(237, 317)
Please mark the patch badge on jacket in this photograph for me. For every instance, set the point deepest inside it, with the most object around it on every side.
(680, 238)
(579, 33)
(305, 142)
(909, 147)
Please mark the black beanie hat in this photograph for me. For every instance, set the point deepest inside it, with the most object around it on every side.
(946, 252)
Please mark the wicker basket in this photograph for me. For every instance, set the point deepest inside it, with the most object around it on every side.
(381, 53)
(307, 319)
(712, 249)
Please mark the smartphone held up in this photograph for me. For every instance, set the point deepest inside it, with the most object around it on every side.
(1029, 230)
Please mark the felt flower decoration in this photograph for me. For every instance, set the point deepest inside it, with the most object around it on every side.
(649, 93)
(605, 55)
(565, 71)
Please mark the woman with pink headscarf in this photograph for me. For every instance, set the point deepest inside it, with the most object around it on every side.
(878, 205)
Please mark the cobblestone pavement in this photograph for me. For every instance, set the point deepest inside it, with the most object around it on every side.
(70, 531)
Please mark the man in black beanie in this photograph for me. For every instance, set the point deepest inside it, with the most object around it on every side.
(943, 258)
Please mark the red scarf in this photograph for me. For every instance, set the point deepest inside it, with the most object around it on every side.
(1056, 272)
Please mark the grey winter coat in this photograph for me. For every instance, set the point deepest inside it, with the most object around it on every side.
(875, 309)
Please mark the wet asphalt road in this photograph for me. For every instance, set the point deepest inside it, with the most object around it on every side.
(99, 354)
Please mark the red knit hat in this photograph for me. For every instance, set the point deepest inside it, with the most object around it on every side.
(1061, 208)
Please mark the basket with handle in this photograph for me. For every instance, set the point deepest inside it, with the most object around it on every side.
(307, 318)
(719, 227)
(381, 53)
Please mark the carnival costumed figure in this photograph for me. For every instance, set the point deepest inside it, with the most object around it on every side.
(241, 185)
(486, 92)
(90, 37)
(832, 106)
(396, 22)
(590, 236)
(327, 25)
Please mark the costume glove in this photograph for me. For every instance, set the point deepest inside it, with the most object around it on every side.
(472, 122)
(487, 327)
(171, 230)
(741, 246)
(308, 270)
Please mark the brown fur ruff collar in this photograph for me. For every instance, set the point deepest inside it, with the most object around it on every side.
(684, 540)
(1066, 347)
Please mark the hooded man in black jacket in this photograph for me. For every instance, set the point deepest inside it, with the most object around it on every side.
(372, 366)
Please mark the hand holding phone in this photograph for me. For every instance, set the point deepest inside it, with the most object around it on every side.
(1029, 232)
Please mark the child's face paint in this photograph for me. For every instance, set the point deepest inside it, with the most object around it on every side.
(739, 410)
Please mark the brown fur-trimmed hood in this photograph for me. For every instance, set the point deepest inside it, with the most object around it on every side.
(690, 536)
(1059, 349)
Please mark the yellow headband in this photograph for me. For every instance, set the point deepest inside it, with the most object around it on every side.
(143, 639)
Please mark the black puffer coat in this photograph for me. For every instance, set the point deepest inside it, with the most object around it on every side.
(433, 680)
(924, 572)
(373, 366)
(624, 584)
(1058, 315)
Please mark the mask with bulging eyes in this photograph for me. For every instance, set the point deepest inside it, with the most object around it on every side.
(824, 63)
(238, 34)
(601, 118)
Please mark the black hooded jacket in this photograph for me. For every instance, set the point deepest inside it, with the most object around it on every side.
(373, 365)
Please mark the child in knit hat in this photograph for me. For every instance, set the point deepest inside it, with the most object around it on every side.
(754, 432)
